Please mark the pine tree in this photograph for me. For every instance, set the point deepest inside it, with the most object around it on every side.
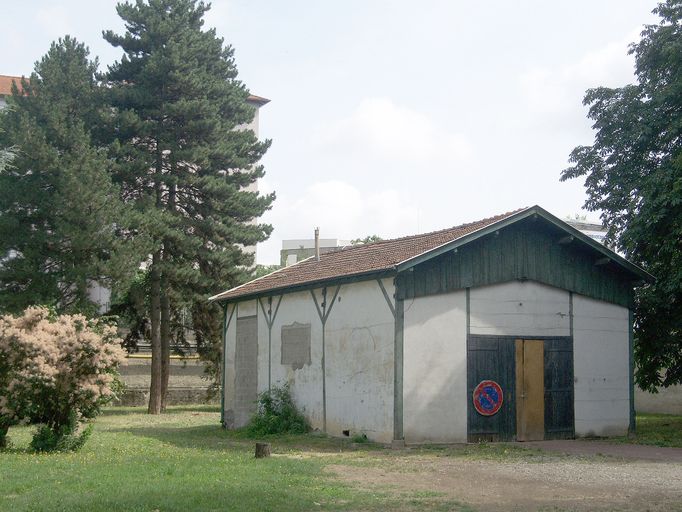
(61, 220)
(183, 160)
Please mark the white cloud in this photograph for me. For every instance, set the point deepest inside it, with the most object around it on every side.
(559, 91)
(54, 20)
(218, 15)
(378, 131)
(340, 211)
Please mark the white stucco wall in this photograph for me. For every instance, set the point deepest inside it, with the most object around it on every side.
(601, 367)
(520, 308)
(435, 399)
(359, 358)
(434, 374)
(360, 335)
(306, 382)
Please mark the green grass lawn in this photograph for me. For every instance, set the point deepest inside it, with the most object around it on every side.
(184, 461)
(659, 430)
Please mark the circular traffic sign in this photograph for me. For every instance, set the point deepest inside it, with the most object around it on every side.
(488, 397)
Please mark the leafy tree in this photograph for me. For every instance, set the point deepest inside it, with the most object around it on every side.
(367, 240)
(263, 270)
(633, 174)
(61, 220)
(183, 161)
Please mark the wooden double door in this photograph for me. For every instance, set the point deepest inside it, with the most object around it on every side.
(536, 378)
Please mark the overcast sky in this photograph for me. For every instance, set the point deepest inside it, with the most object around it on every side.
(395, 117)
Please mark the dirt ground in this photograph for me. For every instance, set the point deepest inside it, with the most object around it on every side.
(556, 483)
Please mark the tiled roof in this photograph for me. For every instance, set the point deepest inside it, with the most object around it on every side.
(356, 260)
(6, 84)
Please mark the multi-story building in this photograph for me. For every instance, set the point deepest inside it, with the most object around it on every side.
(6, 87)
(296, 250)
(593, 230)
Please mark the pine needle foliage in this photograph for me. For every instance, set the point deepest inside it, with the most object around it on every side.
(62, 225)
(185, 160)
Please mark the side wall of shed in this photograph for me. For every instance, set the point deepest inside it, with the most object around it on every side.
(306, 382)
(360, 337)
(359, 333)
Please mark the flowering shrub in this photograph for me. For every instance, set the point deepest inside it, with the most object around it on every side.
(56, 371)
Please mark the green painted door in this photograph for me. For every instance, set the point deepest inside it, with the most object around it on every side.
(491, 358)
(536, 379)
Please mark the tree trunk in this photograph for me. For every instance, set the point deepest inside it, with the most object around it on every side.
(155, 388)
(165, 342)
(166, 305)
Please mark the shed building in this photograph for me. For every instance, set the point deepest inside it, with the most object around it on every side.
(513, 327)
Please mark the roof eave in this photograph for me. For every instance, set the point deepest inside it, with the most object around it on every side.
(309, 285)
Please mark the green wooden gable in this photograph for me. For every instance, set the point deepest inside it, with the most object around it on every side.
(532, 248)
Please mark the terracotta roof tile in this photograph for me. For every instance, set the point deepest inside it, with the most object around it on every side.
(6, 84)
(356, 260)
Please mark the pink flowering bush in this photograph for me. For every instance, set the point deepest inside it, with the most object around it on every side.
(55, 371)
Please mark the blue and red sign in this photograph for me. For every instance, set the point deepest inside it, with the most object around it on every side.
(488, 397)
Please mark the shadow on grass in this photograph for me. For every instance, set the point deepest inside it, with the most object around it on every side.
(202, 437)
(216, 438)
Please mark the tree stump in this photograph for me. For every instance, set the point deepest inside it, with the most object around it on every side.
(262, 450)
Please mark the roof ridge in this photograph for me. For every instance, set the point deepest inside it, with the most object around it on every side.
(487, 220)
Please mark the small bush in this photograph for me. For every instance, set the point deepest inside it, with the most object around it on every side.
(360, 438)
(65, 440)
(277, 414)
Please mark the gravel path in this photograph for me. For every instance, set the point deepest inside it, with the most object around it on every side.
(626, 451)
(561, 483)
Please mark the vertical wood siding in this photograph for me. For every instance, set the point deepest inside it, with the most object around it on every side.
(559, 412)
(492, 358)
(527, 250)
